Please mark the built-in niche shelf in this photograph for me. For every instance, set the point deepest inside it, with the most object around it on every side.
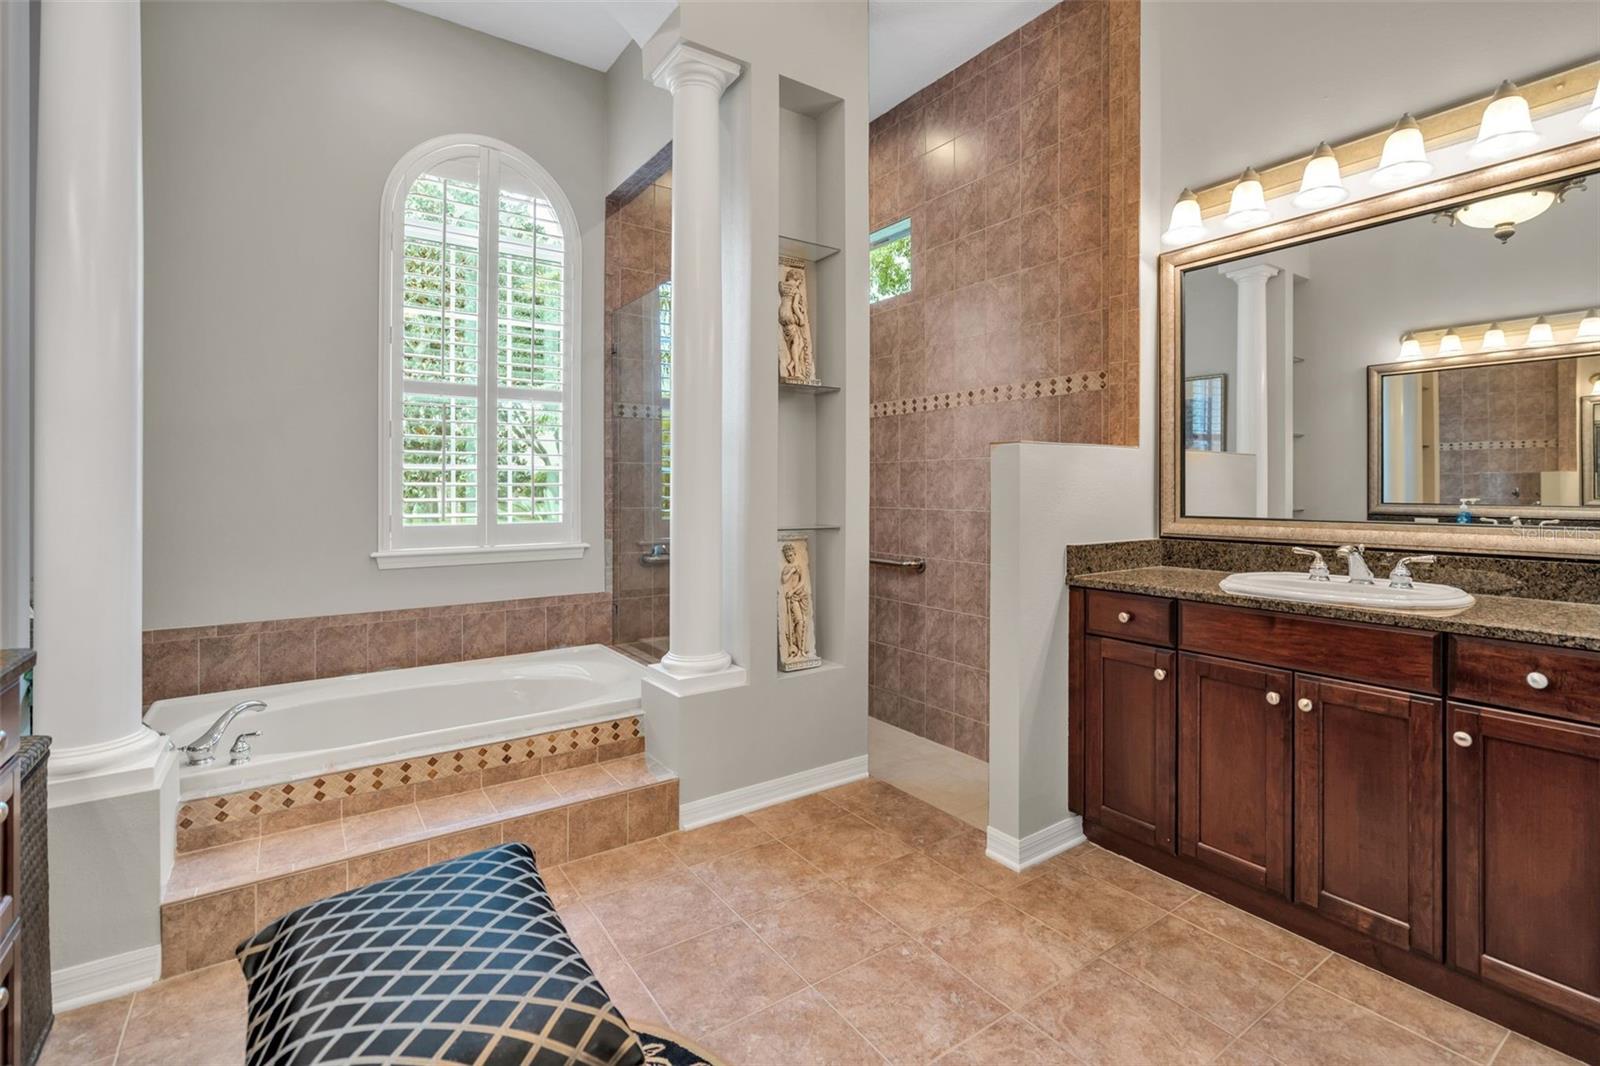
(810, 251)
(785, 530)
(825, 666)
(801, 388)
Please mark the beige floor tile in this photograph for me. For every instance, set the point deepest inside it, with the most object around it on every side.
(1317, 1028)
(583, 782)
(611, 871)
(1278, 946)
(649, 916)
(1129, 876)
(1443, 1023)
(795, 816)
(383, 829)
(1224, 984)
(1251, 1049)
(844, 845)
(966, 854)
(523, 796)
(87, 1034)
(1092, 914)
(803, 1030)
(463, 808)
(300, 849)
(760, 877)
(915, 892)
(909, 1003)
(824, 931)
(1518, 1050)
(912, 820)
(977, 816)
(1010, 1041)
(1102, 1015)
(715, 979)
(636, 771)
(213, 868)
(1010, 955)
(203, 1009)
(559, 886)
(616, 976)
(695, 846)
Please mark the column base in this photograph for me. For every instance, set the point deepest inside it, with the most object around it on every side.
(129, 763)
(695, 665)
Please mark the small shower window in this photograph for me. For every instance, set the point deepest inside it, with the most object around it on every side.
(889, 260)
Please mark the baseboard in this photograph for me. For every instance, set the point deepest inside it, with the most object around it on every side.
(107, 978)
(1034, 848)
(766, 793)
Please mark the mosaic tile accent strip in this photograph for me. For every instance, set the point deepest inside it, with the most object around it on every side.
(238, 810)
(647, 411)
(1039, 388)
(1492, 445)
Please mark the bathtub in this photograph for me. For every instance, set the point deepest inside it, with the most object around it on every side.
(314, 727)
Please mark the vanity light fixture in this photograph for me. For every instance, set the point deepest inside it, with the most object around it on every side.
(1185, 226)
(1248, 206)
(1507, 128)
(1321, 184)
(1405, 157)
(1594, 384)
(1589, 328)
(1540, 332)
(1591, 119)
(1450, 343)
(1493, 338)
(1410, 347)
(1503, 214)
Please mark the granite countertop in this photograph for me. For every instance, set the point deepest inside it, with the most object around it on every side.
(1566, 625)
(14, 662)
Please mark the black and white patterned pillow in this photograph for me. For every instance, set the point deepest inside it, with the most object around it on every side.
(465, 961)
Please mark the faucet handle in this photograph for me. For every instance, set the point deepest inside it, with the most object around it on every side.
(240, 751)
(1400, 576)
(1319, 568)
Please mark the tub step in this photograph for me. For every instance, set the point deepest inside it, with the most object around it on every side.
(218, 896)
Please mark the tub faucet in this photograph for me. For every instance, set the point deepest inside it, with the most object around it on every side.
(203, 749)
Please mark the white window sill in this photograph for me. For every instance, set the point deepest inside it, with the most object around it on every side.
(411, 558)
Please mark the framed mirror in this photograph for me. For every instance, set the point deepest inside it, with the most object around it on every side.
(1355, 374)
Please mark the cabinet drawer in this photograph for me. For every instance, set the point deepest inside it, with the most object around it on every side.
(1125, 616)
(1526, 677)
(1400, 658)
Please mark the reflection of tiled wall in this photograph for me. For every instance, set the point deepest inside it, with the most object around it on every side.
(184, 662)
(638, 261)
(1499, 427)
(1019, 171)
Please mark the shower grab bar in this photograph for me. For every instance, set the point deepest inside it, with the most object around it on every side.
(916, 566)
(658, 555)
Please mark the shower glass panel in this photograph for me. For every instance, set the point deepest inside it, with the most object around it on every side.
(641, 470)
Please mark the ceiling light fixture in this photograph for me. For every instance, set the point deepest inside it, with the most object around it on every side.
(1594, 384)
(1185, 226)
(1589, 328)
(1506, 128)
(1321, 184)
(1493, 338)
(1450, 343)
(1410, 347)
(1405, 157)
(1503, 214)
(1540, 332)
(1248, 205)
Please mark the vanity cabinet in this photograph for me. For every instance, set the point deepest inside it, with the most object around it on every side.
(1525, 855)
(1130, 726)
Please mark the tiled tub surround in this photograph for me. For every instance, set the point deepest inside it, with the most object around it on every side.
(219, 658)
(1019, 172)
(218, 896)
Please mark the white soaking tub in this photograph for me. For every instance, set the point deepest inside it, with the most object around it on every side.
(313, 727)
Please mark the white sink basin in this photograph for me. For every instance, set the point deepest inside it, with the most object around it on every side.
(1338, 591)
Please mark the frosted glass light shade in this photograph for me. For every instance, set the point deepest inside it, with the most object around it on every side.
(1248, 206)
(1185, 226)
(1405, 157)
(1450, 343)
(1589, 328)
(1321, 185)
(1493, 338)
(1591, 119)
(1540, 332)
(1410, 347)
(1506, 127)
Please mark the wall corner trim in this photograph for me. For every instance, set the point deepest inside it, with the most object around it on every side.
(1017, 855)
(107, 978)
(766, 793)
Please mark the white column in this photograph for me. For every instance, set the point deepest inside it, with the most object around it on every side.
(1251, 395)
(88, 374)
(696, 80)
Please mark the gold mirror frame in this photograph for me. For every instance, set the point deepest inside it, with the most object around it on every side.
(1588, 409)
(1532, 512)
(1425, 199)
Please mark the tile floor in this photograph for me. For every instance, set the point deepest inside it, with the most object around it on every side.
(863, 925)
(951, 781)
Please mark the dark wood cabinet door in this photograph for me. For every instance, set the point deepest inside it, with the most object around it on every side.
(1524, 840)
(1130, 726)
(1235, 769)
(1369, 810)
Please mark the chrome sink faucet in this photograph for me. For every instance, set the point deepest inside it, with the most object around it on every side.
(203, 749)
(1356, 563)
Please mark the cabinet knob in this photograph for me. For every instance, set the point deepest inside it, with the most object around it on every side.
(1161, 675)
(1274, 699)
(5, 997)
(1462, 739)
(1538, 680)
(5, 811)
(1304, 704)
(1124, 617)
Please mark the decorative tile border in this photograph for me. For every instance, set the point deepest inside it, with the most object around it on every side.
(1492, 445)
(1039, 388)
(208, 821)
(649, 411)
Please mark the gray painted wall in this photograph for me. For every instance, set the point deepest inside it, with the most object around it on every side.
(269, 130)
(638, 117)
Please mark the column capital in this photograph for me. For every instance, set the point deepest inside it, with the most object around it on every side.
(688, 64)
(1256, 272)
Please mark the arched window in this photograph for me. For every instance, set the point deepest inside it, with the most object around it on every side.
(479, 426)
